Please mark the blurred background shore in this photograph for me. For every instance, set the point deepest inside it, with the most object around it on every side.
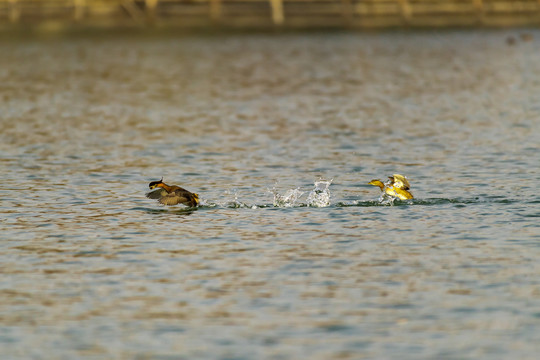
(266, 14)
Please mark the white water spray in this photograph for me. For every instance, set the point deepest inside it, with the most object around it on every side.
(320, 195)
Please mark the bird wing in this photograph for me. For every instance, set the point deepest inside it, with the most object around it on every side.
(399, 193)
(179, 196)
(401, 182)
(403, 194)
(157, 194)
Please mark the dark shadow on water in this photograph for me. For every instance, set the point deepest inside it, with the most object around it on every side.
(430, 202)
(458, 202)
(183, 212)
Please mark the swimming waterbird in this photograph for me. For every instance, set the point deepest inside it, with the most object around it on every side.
(172, 194)
(397, 186)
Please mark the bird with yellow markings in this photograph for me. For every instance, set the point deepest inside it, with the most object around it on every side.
(172, 194)
(397, 187)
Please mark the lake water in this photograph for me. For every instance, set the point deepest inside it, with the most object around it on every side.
(92, 269)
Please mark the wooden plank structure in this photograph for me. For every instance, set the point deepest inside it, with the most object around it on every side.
(275, 13)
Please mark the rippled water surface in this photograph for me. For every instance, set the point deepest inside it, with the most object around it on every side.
(273, 265)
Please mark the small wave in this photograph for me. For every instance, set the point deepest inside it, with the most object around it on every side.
(426, 202)
(174, 210)
(241, 205)
(369, 203)
(232, 204)
(463, 201)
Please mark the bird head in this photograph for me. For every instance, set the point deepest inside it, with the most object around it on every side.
(155, 184)
(378, 183)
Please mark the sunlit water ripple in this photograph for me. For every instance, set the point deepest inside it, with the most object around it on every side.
(291, 254)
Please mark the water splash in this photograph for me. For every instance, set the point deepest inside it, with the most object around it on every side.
(386, 199)
(289, 199)
(320, 195)
(235, 203)
(206, 203)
